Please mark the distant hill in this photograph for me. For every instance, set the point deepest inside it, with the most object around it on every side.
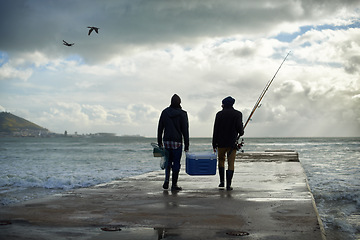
(17, 126)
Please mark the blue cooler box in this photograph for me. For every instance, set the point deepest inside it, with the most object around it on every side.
(201, 163)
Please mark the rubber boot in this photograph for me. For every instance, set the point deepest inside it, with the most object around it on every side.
(222, 176)
(167, 178)
(229, 176)
(175, 176)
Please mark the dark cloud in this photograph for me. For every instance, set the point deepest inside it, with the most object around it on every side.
(36, 25)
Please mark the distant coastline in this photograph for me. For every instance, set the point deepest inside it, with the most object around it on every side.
(15, 126)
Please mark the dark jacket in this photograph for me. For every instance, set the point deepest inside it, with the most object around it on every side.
(228, 124)
(174, 124)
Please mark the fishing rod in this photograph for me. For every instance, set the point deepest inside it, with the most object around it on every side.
(263, 92)
(258, 102)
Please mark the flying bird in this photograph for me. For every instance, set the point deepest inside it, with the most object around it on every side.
(93, 28)
(67, 44)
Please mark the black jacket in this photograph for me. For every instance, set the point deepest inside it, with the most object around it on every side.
(174, 124)
(228, 124)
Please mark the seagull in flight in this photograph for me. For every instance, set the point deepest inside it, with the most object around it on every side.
(67, 44)
(93, 28)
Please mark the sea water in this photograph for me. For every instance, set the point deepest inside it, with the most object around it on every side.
(34, 167)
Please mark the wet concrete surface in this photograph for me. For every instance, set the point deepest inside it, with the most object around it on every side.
(270, 200)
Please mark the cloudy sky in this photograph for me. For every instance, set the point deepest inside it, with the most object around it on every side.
(120, 79)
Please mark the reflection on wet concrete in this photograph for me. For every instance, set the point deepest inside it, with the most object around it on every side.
(137, 233)
(165, 233)
(25, 230)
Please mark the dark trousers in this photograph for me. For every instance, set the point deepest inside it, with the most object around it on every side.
(174, 158)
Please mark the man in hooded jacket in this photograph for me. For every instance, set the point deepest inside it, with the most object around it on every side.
(228, 125)
(173, 128)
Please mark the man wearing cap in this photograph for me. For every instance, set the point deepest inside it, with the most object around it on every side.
(172, 128)
(228, 125)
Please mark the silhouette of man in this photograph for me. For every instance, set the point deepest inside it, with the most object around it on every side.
(227, 126)
(173, 127)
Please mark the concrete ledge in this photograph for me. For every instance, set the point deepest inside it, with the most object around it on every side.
(269, 156)
(270, 200)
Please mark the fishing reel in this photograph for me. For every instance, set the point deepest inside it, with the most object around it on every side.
(238, 146)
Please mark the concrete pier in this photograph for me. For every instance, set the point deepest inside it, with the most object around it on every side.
(270, 200)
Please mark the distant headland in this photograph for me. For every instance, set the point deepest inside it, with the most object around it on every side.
(14, 126)
(11, 125)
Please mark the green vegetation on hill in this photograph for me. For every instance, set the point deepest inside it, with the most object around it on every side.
(12, 124)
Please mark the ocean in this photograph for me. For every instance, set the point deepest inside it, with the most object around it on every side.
(35, 167)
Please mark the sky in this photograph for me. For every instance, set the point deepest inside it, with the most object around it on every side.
(119, 80)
